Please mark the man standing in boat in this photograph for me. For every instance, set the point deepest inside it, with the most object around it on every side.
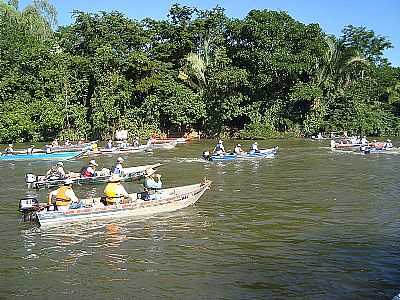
(114, 191)
(63, 197)
(90, 170)
(30, 149)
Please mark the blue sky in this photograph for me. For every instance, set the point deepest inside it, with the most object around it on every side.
(380, 16)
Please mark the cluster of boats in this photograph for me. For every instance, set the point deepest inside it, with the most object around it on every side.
(362, 145)
(47, 213)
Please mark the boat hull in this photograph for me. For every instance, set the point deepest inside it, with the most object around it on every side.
(130, 174)
(171, 200)
(42, 156)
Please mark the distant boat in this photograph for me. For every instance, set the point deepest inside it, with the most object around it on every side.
(42, 156)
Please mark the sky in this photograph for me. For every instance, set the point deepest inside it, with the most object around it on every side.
(380, 16)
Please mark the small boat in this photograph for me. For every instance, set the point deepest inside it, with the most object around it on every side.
(165, 200)
(42, 156)
(166, 145)
(345, 145)
(78, 147)
(124, 150)
(180, 140)
(377, 150)
(130, 174)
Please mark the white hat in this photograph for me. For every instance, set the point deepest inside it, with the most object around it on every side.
(150, 172)
(239, 145)
(120, 159)
(60, 163)
(93, 163)
(255, 143)
(10, 145)
(115, 178)
(68, 181)
(220, 141)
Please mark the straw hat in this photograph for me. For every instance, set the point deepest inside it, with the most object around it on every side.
(120, 159)
(93, 163)
(157, 176)
(150, 172)
(115, 178)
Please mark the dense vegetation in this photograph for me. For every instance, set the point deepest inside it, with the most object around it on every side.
(258, 77)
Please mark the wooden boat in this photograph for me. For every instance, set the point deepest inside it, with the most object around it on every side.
(180, 140)
(344, 145)
(42, 156)
(130, 174)
(166, 145)
(124, 150)
(219, 157)
(77, 147)
(166, 200)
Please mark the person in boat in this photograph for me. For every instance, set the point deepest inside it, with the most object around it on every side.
(364, 141)
(219, 148)
(114, 191)
(254, 147)
(152, 180)
(81, 141)
(109, 145)
(238, 149)
(30, 149)
(135, 142)
(67, 143)
(388, 144)
(118, 169)
(55, 143)
(63, 197)
(57, 172)
(90, 170)
(9, 149)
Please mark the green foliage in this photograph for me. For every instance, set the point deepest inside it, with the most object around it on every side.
(263, 76)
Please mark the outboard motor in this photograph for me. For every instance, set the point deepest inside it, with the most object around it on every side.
(206, 155)
(30, 178)
(28, 206)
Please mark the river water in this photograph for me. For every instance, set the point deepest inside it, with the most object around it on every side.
(309, 224)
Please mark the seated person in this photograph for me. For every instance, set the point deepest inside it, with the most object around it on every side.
(30, 149)
(109, 145)
(254, 147)
(219, 148)
(63, 197)
(57, 172)
(114, 191)
(388, 144)
(152, 181)
(238, 149)
(67, 143)
(81, 141)
(55, 143)
(118, 169)
(90, 170)
(9, 149)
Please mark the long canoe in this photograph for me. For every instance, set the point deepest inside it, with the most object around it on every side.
(130, 174)
(42, 156)
(166, 200)
(124, 150)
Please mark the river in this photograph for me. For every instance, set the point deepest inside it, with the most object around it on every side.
(309, 224)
